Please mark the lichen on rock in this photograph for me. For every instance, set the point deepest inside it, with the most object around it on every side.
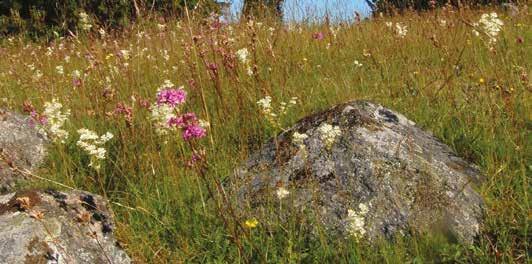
(405, 178)
(22, 144)
(57, 227)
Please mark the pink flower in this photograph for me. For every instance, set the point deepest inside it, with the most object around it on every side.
(189, 118)
(176, 122)
(126, 111)
(41, 119)
(37, 119)
(76, 81)
(171, 97)
(193, 131)
(183, 120)
(195, 158)
(317, 35)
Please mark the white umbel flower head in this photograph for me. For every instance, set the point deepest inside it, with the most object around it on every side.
(282, 193)
(84, 21)
(59, 69)
(92, 144)
(356, 221)
(55, 120)
(242, 55)
(160, 115)
(274, 116)
(328, 134)
(491, 25)
(299, 140)
(401, 30)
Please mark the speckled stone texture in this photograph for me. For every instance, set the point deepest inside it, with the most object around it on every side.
(409, 180)
(57, 227)
(22, 144)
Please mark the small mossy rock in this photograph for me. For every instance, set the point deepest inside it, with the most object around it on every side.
(379, 177)
(57, 227)
(22, 144)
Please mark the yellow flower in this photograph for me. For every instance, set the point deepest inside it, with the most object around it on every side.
(481, 80)
(251, 223)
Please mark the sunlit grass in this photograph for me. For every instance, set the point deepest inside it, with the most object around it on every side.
(476, 98)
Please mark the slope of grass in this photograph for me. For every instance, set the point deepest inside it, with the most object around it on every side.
(473, 95)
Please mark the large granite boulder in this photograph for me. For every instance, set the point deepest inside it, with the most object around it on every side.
(22, 144)
(368, 172)
(57, 227)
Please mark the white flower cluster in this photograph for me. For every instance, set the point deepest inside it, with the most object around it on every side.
(84, 21)
(243, 55)
(37, 75)
(400, 29)
(160, 115)
(356, 221)
(282, 193)
(328, 134)
(60, 70)
(166, 84)
(76, 74)
(491, 25)
(299, 140)
(92, 144)
(270, 114)
(55, 119)
(125, 54)
(334, 30)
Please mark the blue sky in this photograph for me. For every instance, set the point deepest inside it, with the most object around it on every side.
(296, 10)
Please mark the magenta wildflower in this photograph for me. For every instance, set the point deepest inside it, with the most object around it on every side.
(193, 131)
(189, 118)
(125, 111)
(184, 120)
(176, 122)
(76, 82)
(37, 119)
(195, 158)
(317, 35)
(171, 97)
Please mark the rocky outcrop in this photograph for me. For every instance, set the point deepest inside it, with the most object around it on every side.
(57, 227)
(368, 172)
(22, 144)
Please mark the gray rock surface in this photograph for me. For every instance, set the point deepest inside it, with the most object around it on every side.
(22, 144)
(57, 227)
(381, 176)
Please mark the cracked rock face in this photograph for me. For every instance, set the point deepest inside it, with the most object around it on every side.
(368, 172)
(22, 144)
(57, 227)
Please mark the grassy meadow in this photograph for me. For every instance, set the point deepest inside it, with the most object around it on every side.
(471, 93)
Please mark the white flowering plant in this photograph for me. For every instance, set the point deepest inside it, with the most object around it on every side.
(490, 25)
(328, 134)
(299, 140)
(274, 114)
(356, 223)
(92, 145)
(243, 57)
(52, 120)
